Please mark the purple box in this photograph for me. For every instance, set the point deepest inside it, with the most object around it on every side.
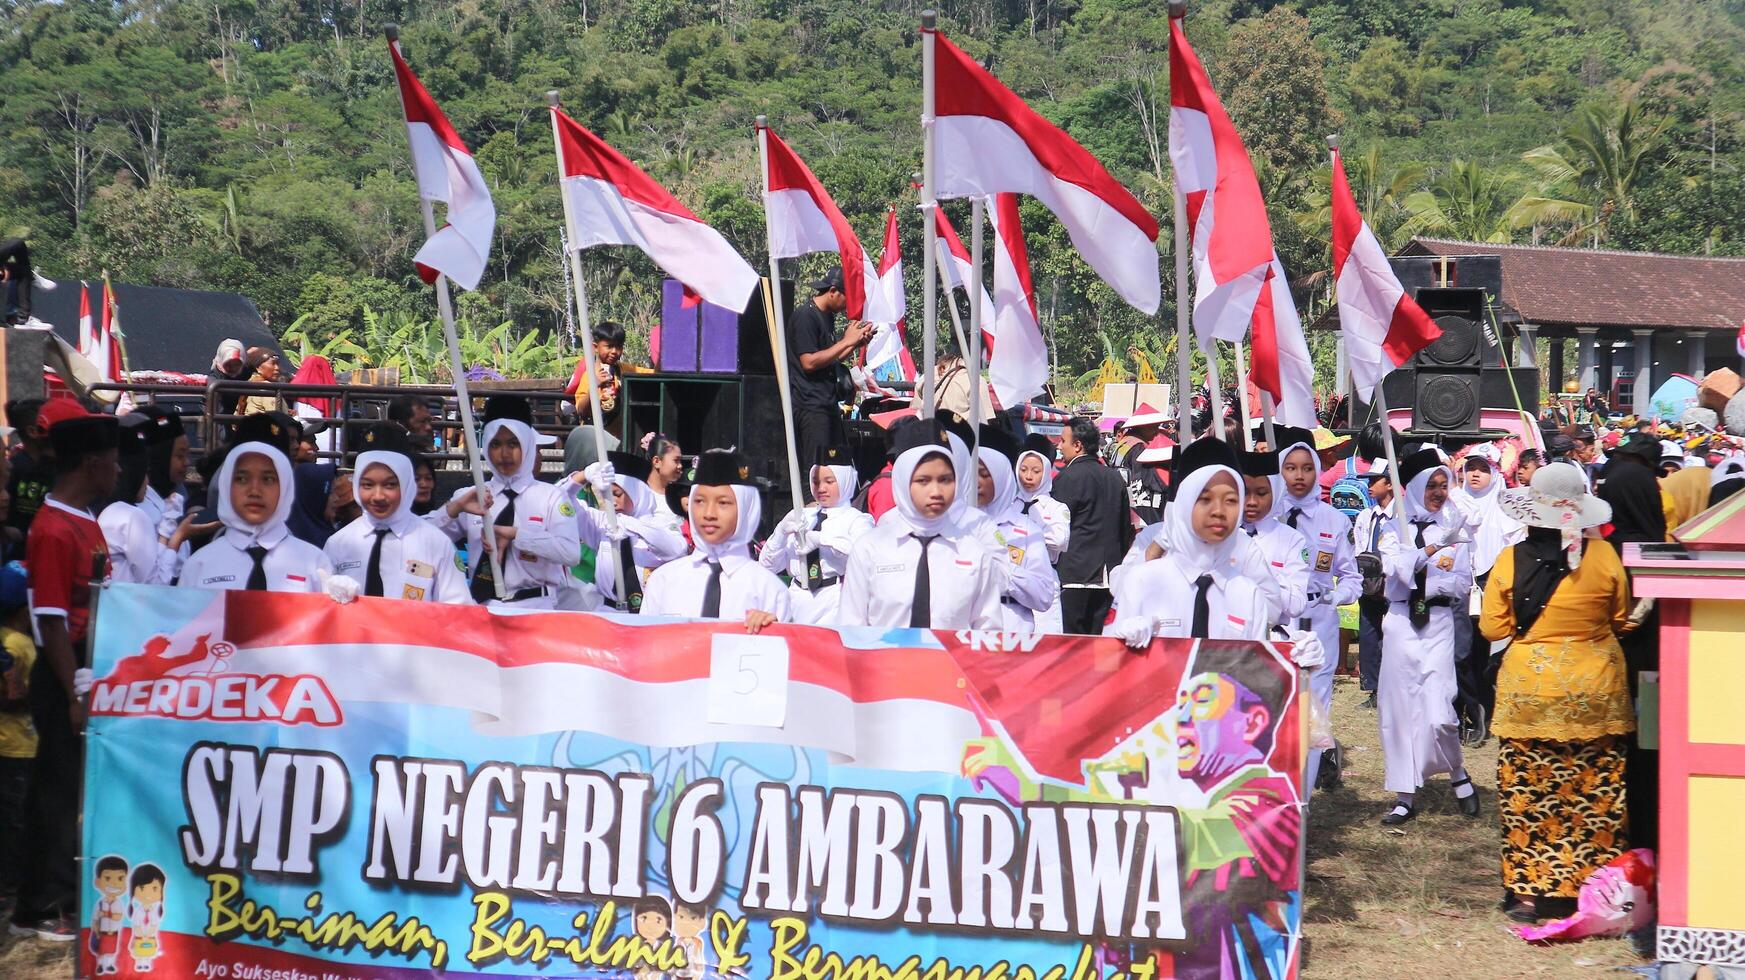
(699, 338)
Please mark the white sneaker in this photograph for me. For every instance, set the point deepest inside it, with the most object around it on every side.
(32, 323)
(43, 282)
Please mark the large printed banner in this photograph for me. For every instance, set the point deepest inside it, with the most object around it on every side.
(282, 788)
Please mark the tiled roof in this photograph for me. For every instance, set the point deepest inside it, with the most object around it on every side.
(1593, 287)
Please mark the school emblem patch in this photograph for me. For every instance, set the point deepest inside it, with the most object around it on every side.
(567, 509)
(1324, 561)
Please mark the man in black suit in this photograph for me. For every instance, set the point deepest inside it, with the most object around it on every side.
(1096, 496)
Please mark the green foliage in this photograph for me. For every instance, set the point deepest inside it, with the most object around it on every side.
(258, 147)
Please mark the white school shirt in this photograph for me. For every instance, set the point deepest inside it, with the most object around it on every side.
(1161, 590)
(135, 552)
(842, 527)
(1056, 522)
(655, 538)
(1401, 561)
(292, 564)
(546, 544)
(1031, 585)
(879, 582)
(418, 561)
(1367, 528)
(676, 589)
(1333, 576)
(1287, 561)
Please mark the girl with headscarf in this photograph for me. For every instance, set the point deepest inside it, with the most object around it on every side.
(1286, 578)
(310, 518)
(719, 579)
(924, 565)
(136, 553)
(1428, 568)
(1563, 716)
(1201, 585)
(532, 527)
(646, 536)
(1035, 472)
(812, 544)
(424, 478)
(1031, 588)
(256, 551)
(1479, 498)
(388, 551)
(309, 409)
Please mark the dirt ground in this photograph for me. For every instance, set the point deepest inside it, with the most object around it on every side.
(1381, 903)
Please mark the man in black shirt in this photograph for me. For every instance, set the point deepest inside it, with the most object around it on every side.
(33, 466)
(1096, 497)
(814, 351)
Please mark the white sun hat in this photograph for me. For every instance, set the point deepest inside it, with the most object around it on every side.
(1558, 498)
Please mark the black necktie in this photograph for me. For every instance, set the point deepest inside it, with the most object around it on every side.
(712, 592)
(1296, 512)
(1202, 607)
(1027, 505)
(1418, 611)
(373, 575)
(814, 559)
(632, 580)
(484, 586)
(920, 608)
(257, 576)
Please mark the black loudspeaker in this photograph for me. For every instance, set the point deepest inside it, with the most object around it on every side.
(1480, 272)
(1447, 401)
(1494, 391)
(1446, 391)
(755, 354)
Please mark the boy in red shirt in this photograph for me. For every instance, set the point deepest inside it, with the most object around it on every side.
(67, 558)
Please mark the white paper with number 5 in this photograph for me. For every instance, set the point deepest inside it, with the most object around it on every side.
(748, 680)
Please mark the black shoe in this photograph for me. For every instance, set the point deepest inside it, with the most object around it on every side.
(1328, 777)
(1369, 702)
(1400, 813)
(1468, 804)
(1519, 911)
(1477, 730)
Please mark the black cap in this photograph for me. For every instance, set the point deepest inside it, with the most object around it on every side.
(630, 464)
(510, 408)
(1001, 440)
(833, 456)
(1422, 461)
(84, 435)
(131, 436)
(830, 280)
(161, 424)
(920, 432)
(1290, 435)
(1641, 445)
(1259, 464)
(1040, 444)
(722, 468)
(276, 429)
(676, 494)
(957, 425)
(385, 437)
(1201, 453)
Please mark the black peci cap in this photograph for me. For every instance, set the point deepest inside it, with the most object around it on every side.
(276, 429)
(1201, 453)
(1422, 461)
(1259, 464)
(630, 464)
(722, 468)
(1001, 440)
(1040, 444)
(510, 408)
(161, 424)
(920, 432)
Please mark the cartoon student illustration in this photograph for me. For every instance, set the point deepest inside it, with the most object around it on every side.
(145, 914)
(653, 919)
(110, 881)
(689, 924)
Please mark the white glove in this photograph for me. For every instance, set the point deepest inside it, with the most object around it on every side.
(615, 531)
(793, 524)
(173, 508)
(600, 476)
(343, 588)
(1307, 651)
(81, 682)
(806, 542)
(1135, 631)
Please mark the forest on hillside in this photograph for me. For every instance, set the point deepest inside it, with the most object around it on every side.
(257, 146)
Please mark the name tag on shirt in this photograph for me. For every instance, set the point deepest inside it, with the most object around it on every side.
(214, 580)
(748, 680)
(345, 566)
(419, 569)
(888, 569)
(1237, 621)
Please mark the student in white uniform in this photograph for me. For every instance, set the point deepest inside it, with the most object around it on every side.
(922, 566)
(648, 535)
(1035, 471)
(256, 551)
(166, 450)
(719, 579)
(390, 552)
(1333, 576)
(1428, 564)
(532, 524)
(1478, 497)
(1284, 549)
(1031, 584)
(1199, 587)
(135, 552)
(812, 544)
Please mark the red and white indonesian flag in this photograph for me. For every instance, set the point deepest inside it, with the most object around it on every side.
(87, 332)
(1018, 365)
(954, 261)
(803, 219)
(1281, 365)
(612, 202)
(446, 172)
(108, 338)
(986, 141)
(1380, 325)
(887, 297)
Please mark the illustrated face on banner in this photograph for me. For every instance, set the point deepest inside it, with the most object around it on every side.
(1217, 724)
(112, 881)
(689, 921)
(653, 921)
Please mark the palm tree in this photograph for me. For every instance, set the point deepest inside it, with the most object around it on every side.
(1381, 194)
(1466, 202)
(1590, 179)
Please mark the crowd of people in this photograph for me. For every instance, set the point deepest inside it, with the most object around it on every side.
(1491, 597)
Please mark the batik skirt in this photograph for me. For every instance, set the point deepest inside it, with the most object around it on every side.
(1563, 812)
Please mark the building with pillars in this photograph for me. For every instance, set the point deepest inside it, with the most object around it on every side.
(1635, 315)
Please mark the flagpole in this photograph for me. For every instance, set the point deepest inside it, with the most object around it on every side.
(469, 437)
(1183, 378)
(1216, 388)
(1242, 396)
(929, 307)
(608, 506)
(951, 305)
(977, 316)
(1266, 413)
(773, 302)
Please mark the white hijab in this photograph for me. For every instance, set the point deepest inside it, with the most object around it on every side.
(238, 531)
(524, 435)
(847, 482)
(643, 501)
(1305, 504)
(903, 471)
(1043, 488)
(1194, 554)
(1415, 509)
(1278, 503)
(1491, 527)
(1003, 508)
(738, 543)
(401, 466)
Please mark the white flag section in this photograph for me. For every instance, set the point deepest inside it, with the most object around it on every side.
(803, 219)
(612, 202)
(1281, 363)
(446, 172)
(87, 332)
(886, 296)
(987, 141)
(1018, 364)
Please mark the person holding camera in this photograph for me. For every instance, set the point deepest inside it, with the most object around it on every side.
(817, 369)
